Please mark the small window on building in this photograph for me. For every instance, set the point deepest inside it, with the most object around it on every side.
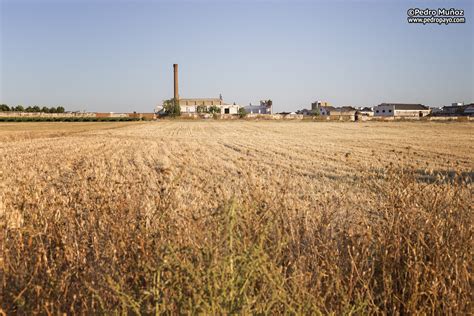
(390, 111)
(377, 111)
(383, 111)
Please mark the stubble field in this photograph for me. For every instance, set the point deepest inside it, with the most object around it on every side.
(236, 217)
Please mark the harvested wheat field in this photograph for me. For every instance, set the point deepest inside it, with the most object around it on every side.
(236, 217)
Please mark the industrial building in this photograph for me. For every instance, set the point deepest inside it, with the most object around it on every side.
(401, 110)
(196, 105)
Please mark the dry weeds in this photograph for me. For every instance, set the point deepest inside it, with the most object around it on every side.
(239, 217)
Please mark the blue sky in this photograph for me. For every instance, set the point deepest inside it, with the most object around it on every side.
(117, 56)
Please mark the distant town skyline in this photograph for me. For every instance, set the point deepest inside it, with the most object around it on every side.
(117, 55)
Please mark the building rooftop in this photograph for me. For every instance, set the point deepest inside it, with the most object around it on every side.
(346, 108)
(328, 108)
(405, 106)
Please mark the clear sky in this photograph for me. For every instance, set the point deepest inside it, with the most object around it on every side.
(106, 55)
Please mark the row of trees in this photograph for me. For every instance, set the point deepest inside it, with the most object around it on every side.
(213, 109)
(20, 108)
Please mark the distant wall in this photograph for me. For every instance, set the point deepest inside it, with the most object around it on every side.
(152, 116)
(322, 118)
(196, 116)
(255, 116)
(451, 118)
(111, 114)
(411, 113)
(146, 116)
(41, 114)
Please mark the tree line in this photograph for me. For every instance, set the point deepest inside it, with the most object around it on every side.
(20, 108)
(68, 119)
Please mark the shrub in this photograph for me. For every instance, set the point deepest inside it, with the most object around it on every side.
(242, 113)
(214, 109)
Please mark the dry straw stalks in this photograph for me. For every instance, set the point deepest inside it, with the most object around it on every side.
(410, 251)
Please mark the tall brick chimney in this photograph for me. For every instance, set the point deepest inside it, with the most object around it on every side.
(176, 93)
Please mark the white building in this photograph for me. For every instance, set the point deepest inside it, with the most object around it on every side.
(230, 109)
(265, 107)
(196, 105)
(401, 110)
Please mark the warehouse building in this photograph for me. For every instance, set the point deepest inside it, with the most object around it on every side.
(401, 110)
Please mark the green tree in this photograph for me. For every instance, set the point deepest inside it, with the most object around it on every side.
(36, 109)
(242, 112)
(53, 110)
(177, 108)
(168, 106)
(45, 109)
(60, 109)
(172, 107)
(29, 109)
(202, 109)
(214, 109)
(19, 108)
(4, 108)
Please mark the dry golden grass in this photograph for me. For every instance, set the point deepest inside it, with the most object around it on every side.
(237, 217)
(17, 131)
